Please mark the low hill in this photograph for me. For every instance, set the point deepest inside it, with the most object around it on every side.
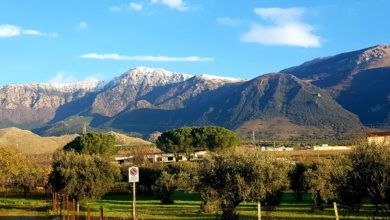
(124, 140)
(30, 143)
(133, 146)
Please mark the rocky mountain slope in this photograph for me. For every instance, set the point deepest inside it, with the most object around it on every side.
(129, 90)
(36, 104)
(357, 80)
(318, 99)
(237, 105)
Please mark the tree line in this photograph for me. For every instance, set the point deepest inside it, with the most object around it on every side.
(83, 170)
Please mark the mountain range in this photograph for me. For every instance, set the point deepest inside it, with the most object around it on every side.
(326, 98)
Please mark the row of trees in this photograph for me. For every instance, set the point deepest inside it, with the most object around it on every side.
(222, 180)
(225, 180)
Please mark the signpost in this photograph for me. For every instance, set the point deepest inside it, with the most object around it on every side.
(134, 178)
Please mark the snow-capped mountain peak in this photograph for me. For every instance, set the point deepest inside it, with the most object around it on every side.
(148, 76)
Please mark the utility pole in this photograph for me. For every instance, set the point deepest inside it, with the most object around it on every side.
(84, 128)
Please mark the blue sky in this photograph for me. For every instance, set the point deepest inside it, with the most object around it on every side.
(71, 40)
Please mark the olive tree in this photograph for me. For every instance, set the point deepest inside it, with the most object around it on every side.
(183, 176)
(327, 179)
(371, 172)
(297, 180)
(82, 176)
(229, 179)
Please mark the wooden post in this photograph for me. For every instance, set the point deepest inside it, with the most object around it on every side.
(74, 208)
(62, 209)
(78, 209)
(89, 213)
(134, 203)
(336, 213)
(63, 203)
(67, 207)
(54, 201)
(258, 210)
(56, 195)
(101, 213)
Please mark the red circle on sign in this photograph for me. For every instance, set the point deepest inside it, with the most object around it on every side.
(133, 172)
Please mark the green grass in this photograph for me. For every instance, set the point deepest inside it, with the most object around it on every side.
(186, 207)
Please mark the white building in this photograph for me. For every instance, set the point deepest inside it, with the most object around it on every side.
(328, 147)
(282, 148)
(166, 157)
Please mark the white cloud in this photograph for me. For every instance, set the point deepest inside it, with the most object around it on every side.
(82, 25)
(114, 56)
(62, 78)
(229, 21)
(135, 6)
(7, 30)
(285, 29)
(115, 8)
(33, 32)
(174, 4)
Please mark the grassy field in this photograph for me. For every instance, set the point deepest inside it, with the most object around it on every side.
(186, 207)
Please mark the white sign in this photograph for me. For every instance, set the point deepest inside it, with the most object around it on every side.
(133, 175)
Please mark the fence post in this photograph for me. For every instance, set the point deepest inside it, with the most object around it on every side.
(67, 207)
(89, 213)
(101, 213)
(74, 208)
(78, 209)
(335, 210)
(258, 210)
(54, 201)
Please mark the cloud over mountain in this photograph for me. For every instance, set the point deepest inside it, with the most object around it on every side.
(285, 28)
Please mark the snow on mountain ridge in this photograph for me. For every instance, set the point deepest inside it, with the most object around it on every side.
(139, 77)
(219, 78)
(88, 85)
(148, 76)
